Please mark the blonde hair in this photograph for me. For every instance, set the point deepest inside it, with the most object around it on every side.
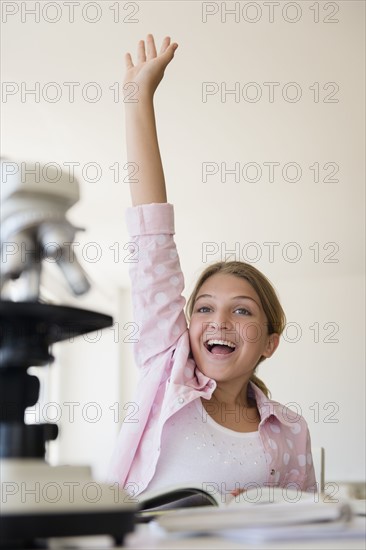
(276, 319)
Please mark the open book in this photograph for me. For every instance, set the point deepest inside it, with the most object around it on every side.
(151, 503)
(274, 514)
(155, 504)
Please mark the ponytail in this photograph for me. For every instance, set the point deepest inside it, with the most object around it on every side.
(261, 385)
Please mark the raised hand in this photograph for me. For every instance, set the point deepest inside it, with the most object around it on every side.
(150, 66)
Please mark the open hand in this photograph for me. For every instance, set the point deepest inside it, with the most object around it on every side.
(150, 66)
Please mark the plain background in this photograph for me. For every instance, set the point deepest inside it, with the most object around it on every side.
(314, 52)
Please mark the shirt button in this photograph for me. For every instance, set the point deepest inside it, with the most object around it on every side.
(181, 400)
(272, 472)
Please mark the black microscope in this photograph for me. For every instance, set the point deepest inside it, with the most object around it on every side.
(34, 228)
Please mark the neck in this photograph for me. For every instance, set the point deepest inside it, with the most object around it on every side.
(230, 394)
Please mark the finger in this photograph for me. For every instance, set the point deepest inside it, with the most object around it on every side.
(128, 61)
(141, 55)
(169, 52)
(151, 49)
(165, 44)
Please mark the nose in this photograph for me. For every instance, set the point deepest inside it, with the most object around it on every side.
(220, 320)
(224, 318)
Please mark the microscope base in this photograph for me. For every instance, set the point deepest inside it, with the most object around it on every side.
(41, 501)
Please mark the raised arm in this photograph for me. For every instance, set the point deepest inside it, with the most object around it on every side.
(141, 81)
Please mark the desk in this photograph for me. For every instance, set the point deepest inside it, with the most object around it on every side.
(144, 539)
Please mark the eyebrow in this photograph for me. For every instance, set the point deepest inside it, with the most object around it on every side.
(234, 298)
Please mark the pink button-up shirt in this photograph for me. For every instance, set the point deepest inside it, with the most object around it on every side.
(169, 376)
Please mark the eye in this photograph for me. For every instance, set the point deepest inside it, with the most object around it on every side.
(203, 309)
(242, 311)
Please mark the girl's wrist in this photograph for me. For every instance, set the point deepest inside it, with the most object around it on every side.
(138, 90)
(138, 97)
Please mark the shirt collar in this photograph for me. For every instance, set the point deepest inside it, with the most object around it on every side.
(268, 408)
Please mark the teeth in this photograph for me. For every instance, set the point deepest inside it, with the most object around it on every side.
(221, 342)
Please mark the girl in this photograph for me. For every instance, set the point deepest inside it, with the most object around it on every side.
(203, 415)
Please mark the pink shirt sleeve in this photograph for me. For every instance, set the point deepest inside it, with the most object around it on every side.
(156, 280)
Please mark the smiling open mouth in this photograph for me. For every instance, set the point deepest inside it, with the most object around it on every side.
(220, 347)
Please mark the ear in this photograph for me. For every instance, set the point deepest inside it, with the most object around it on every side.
(272, 345)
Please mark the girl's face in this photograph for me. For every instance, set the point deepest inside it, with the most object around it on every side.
(228, 329)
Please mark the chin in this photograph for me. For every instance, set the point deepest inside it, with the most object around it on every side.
(212, 372)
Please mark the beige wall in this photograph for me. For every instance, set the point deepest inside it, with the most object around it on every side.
(320, 223)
